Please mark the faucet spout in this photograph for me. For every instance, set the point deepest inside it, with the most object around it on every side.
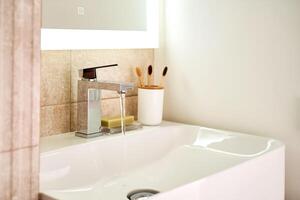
(107, 85)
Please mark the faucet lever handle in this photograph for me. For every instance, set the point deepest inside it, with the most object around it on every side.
(90, 73)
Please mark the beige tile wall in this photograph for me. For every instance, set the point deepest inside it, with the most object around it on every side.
(59, 75)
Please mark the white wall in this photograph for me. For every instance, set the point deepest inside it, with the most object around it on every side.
(236, 65)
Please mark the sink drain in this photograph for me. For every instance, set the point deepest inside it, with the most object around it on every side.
(141, 194)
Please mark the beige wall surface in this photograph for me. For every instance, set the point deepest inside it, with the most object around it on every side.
(236, 65)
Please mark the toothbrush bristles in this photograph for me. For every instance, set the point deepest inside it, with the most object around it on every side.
(165, 71)
(150, 69)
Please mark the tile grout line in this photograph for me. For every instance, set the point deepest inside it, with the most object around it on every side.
(103, 99)
(64, 104)
(52, 105)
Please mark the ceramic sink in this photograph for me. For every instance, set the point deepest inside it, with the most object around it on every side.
(180, 161)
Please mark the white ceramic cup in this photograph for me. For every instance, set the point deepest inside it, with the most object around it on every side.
(150, 106)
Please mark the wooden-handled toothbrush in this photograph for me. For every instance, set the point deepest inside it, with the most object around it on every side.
(149, 84)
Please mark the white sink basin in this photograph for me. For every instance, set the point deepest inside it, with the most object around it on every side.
(175, 159)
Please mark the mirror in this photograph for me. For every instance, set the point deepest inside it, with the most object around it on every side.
(95, 14)
(100, 24)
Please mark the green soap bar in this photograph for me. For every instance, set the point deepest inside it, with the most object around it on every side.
(113, 122)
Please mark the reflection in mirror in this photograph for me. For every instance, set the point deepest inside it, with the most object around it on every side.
(95, 14)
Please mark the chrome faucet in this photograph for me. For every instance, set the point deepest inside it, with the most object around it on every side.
(89, 100)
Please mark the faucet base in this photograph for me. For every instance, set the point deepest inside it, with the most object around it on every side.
(108, 131)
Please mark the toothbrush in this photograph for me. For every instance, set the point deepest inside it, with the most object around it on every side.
(162, 79)
(139, 74)
(150, 72)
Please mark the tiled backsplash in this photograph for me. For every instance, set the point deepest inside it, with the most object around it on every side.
(59, 75)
